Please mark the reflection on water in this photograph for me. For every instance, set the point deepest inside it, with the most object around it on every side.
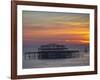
(80, 61)
(54, 55)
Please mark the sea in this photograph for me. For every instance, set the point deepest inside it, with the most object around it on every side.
(81, 60)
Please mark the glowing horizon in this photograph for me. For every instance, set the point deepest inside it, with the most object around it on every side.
(55, 27)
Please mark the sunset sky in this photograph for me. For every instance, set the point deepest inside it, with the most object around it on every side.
(55, 27)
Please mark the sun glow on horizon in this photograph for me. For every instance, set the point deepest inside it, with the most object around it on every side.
(56, 27)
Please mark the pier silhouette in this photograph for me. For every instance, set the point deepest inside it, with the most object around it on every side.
(51, 51)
